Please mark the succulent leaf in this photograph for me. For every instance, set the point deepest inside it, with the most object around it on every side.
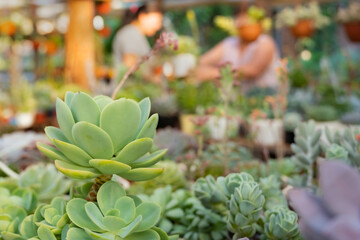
(149, 128)
(120, 126)
(95, 141)
(109, 167)
(84, 108)
(134, 150)
(65, 119)
(75, 171)
(142, 174)
(74, 153)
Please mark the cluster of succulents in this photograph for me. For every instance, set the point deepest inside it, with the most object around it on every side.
(288, 17)
(183, 214)
(249, 207)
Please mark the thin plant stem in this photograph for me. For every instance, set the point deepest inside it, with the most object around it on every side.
(8, 171)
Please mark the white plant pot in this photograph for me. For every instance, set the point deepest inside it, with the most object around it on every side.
(183, 63)
(24, 120)
(267, 132)
(217, 127)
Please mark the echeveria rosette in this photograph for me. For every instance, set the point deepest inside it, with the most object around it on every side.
(100, 136)
(246, 205)
(115, 216)
(229, 183)
(281, 223)
(52, 216)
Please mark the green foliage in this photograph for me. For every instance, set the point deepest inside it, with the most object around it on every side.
(306, 148)
(100, 136)
(45, 180)
(322, 113)
(183, 214)
(270, 187)
(246, 205)
(281, 223)
(344, 146)
(190, 96)
(209, 193)
(172, 176)
(114, 216)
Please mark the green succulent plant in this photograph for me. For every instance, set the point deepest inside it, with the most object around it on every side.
(183, 214)
(26, 230)
(45, 180)
(208, 192)
(322, 113)
(52, 216)
(15, 205)
(281, 223)
(115, 216)
(172, 176)
(232, 181)
(21, 197)
(292, 121)
(307, 148)
(246, 205)
(270, 187)
(100, 136)
(334, 151)
(347, 141)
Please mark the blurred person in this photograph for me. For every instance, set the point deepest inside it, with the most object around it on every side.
(130, 41)
(252, 54)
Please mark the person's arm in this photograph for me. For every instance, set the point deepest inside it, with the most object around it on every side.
(260, 61)
(208, 68)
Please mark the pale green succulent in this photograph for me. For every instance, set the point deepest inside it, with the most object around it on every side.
(246, 205)
(52, 216)
(22, 197)
(270, 187)
(100, 136)
(335, 151)
(229, 183)
(14, 207)
(281, 223)
(347, 141)
(115, 216)
(307, 148)
(183, 214)
(208, 192)
(45, 180)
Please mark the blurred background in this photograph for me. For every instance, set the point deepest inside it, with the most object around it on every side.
(48, 47)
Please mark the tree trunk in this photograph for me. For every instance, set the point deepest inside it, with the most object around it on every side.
(80, 44)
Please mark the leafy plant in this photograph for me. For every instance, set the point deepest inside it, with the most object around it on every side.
(99, 137)
(307, 148)
(322, 113)
(114, 216)
(348, 141)
(270, 187)
(281, 223)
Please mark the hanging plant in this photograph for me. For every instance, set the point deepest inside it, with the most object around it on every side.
(350, 18)
(303, 20)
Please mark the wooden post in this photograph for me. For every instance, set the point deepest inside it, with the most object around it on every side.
(80, 43)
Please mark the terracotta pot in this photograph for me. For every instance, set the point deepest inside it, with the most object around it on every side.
(50, 47)
(8, 28)
(104, 8)
(353, 31)
(250, 32)
(303, 28)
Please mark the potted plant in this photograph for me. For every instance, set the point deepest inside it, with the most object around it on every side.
(350, 18)
(303, 20)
